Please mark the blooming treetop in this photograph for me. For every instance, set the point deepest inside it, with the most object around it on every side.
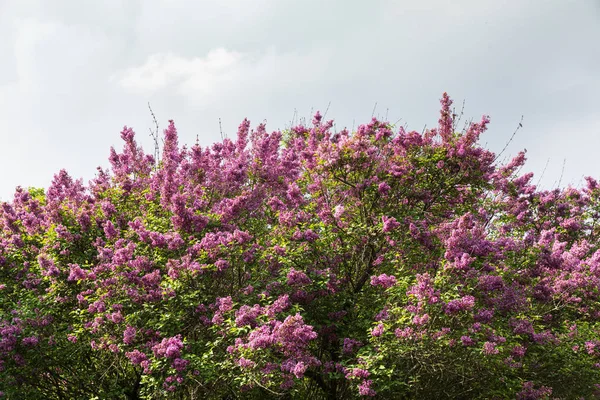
(302, 263)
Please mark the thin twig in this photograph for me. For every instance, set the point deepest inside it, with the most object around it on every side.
(467, 124)
(221, 129)
(266, 388)
(561, 173)
(154, 135)
(511, 138)
(457, 121)
(327, 109)
(543, 171)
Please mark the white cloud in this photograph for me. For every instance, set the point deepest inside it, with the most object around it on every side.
(164, 70)
(224, 73)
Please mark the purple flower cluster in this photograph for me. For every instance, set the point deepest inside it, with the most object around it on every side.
(299, 278)
(169, 347)
(465, 303)
(383, 280)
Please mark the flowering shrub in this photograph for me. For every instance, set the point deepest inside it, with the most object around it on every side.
(302, 264)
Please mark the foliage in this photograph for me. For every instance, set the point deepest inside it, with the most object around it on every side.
(303, 264)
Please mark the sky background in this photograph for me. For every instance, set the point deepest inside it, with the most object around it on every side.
(73, 73)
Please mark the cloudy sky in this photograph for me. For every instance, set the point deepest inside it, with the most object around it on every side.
(73, 73)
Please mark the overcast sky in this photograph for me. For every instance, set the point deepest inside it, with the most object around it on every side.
(73, 73)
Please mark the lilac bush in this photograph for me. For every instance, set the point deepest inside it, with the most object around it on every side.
(299, 264)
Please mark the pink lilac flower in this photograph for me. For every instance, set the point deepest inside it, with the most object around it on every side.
(484, 316)
(247, 315)
(169, 347)
(225, 303)
(383, 188)
(281, 304)
(364, 389)
(350, 345)
(421, 319)
(378, 330)
(467, 341)
(403, 333)
(338, 211)
(389, 223)
(245, 363)
(590, 347)
(528, 392)
(383, 280)
(295, 277)
(489, 348)
(382, 315)
(76, 273)
(357, 373)
(518, 351)
(30, 341)
(136, 357)
(129, 335)
(299, 369)
(463, 304)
